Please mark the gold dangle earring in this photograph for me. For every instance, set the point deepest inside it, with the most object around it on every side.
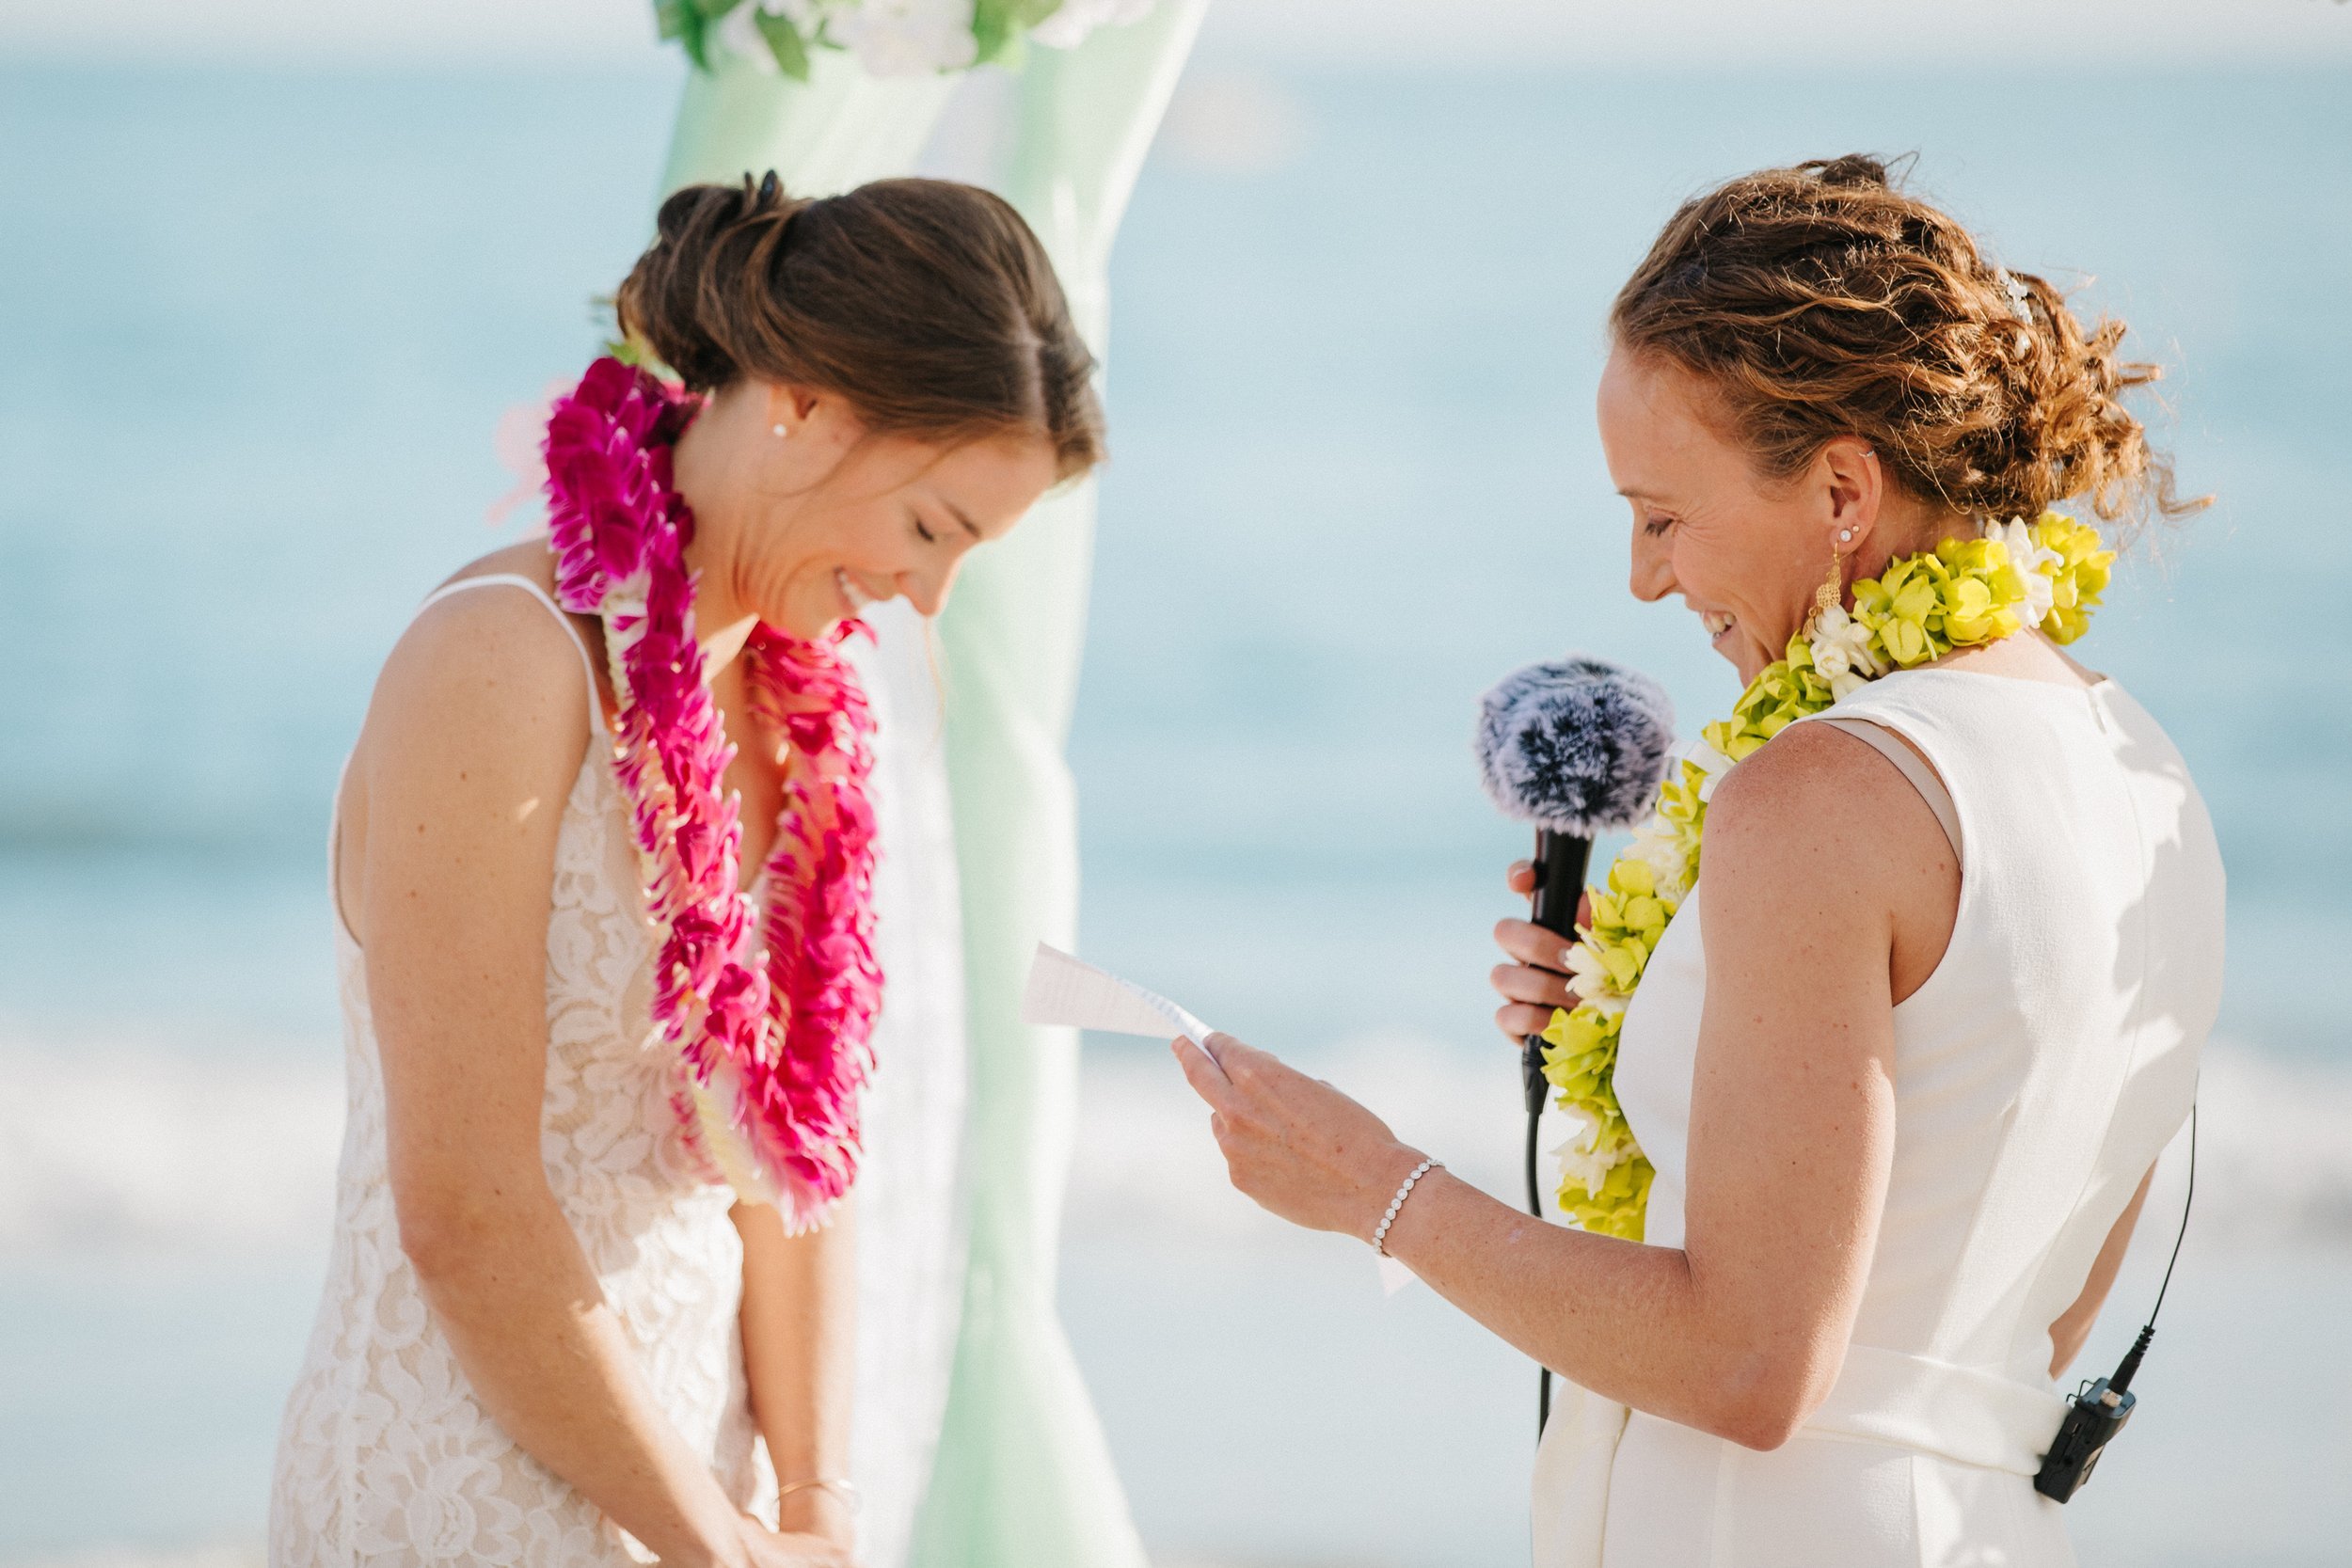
(1831, 593)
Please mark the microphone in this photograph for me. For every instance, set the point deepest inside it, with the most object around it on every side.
(1576, 746)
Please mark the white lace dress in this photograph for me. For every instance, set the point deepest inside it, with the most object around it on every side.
(385, 1456)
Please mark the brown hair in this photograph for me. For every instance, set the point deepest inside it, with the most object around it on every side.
(1821, 301)
(928, 305)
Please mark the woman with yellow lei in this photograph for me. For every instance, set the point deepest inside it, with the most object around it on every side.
(1862, 1117)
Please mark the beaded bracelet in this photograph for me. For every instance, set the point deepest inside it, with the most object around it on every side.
(1380, 1237)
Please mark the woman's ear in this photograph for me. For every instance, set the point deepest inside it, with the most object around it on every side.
(786, 409)
(1853, 490)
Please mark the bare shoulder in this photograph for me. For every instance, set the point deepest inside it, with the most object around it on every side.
(1819, 839)
(1817, 808)
(486, 674)
(1807, 774)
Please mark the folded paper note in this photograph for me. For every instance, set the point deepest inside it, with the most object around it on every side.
(1076, 995)
(1064, 991)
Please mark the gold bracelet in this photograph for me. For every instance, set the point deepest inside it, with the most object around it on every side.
(846, 1491)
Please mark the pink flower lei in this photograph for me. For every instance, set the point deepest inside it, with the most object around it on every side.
(772, 1025)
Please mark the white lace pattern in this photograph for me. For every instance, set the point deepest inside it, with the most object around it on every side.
(385, 1456)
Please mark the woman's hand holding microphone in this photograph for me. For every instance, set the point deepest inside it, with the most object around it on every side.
(1537, 982)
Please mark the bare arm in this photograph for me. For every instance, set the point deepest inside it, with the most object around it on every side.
(800, 1298)
(2073, 1324)
(476, 732)
(1826, 879)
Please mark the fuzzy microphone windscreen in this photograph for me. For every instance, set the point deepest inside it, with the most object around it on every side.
(1576, 745)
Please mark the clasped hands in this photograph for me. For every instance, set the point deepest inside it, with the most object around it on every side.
(817, 1533)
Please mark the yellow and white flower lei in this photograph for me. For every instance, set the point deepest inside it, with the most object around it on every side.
(2048, 572)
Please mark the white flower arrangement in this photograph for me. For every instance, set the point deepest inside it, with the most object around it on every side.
(1588, 980)
(1663, 851)
(889, 37)
(1582, 1159)
(2035, 561)
(1841, 652)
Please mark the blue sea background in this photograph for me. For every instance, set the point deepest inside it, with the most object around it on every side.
(260, 326)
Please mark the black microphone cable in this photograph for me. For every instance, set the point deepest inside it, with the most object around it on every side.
(2096, 1412)
(2130, 1366)
(1561, 860)
(1532, 1072)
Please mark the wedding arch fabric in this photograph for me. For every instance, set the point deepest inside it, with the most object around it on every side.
(976, 1444)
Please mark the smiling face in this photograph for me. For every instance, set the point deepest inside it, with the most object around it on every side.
(807, 529)
(1747, 551)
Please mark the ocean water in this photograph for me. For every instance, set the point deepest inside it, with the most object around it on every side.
(262, 324)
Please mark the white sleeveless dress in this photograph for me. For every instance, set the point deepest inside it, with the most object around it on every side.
(2038, 1073)
(385, 1456)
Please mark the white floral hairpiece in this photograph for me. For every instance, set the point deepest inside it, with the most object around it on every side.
(2019, 297)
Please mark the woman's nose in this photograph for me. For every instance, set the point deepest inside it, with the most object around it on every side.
(1653, 576)
(927, 591)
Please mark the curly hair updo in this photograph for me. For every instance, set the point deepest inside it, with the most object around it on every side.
(1821, 301)
(927, 305)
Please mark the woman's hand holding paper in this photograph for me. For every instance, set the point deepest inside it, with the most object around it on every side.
(1295, 1145)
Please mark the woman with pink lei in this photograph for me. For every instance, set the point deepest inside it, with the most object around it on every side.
(1862, 1120)
(602, 862)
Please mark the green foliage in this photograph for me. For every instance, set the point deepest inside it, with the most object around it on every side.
(784, 42)
(998, 29)
(691, 21)
(997, 26)
(679, 20)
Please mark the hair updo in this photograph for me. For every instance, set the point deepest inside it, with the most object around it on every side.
(927, 305)
(1821, 301)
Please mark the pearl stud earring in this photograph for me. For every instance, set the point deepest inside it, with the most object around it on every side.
(777, 431)
(1844, 535)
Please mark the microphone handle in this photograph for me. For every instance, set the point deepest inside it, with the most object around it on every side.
(1561, 860)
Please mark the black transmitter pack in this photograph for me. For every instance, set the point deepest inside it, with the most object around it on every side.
(2094, 1416)
(2097, 1411)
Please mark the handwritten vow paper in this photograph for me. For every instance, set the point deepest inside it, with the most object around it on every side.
(1065, 992)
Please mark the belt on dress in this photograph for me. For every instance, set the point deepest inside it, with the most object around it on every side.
(1964, 1413)
(1967, 1414)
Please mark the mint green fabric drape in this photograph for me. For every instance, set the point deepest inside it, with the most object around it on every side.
(1022, 1476)
(839, 129)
